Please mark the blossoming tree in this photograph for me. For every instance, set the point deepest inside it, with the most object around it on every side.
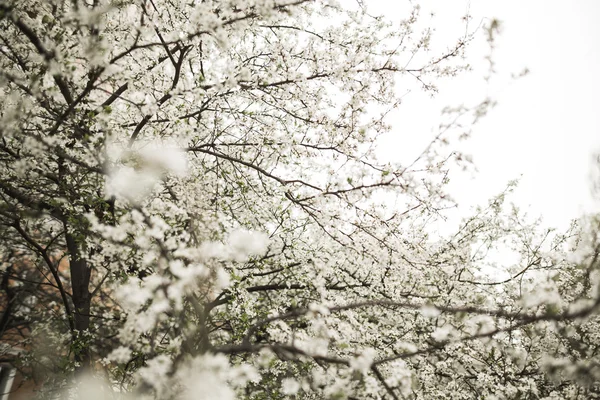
(191, 206)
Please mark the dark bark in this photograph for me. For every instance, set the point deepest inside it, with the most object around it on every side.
(6, 315)
(80, 282)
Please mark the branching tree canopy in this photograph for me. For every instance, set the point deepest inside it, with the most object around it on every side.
(191, 206)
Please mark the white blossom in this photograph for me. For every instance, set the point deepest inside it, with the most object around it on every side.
(120, 355)
(441, 333)
(362, 363)
(290, 386)
(243, 244)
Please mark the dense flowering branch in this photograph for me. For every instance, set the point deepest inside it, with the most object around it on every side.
(196, 187)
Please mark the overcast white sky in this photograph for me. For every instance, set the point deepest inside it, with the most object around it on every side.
(546, 125)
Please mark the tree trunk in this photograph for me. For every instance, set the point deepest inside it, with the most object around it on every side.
(80, 281)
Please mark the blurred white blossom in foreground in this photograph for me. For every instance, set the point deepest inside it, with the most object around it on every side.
(138, 172)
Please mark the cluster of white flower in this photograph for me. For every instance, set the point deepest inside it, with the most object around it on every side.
(137, 173)
(195, 188)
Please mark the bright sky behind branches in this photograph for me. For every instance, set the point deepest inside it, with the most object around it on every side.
(546, 126)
